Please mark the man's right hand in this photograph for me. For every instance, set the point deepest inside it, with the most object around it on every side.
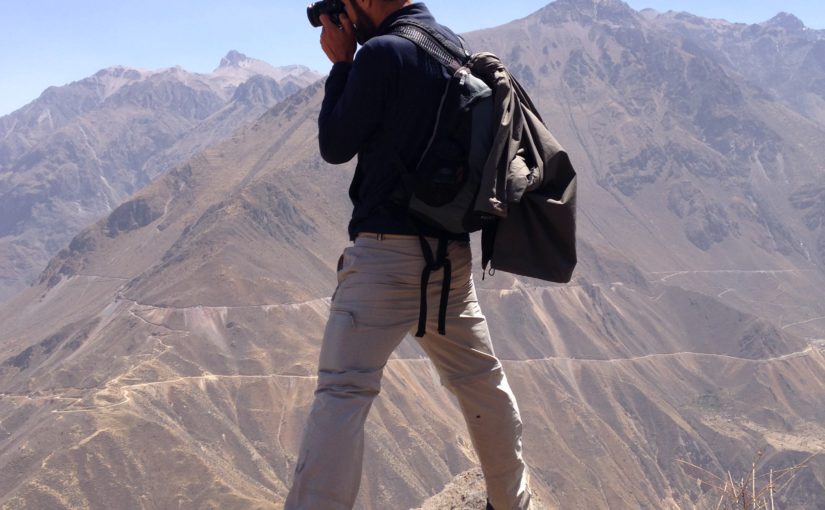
(338, 42)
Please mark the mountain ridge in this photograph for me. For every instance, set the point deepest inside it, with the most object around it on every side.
(80, 150)
(184, 326)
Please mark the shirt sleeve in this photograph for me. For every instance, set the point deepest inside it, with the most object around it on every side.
(353, 105)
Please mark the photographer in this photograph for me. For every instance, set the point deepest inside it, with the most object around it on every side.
(381, 104)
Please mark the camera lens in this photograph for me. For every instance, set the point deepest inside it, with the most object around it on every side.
(330, 7)
(314, 14)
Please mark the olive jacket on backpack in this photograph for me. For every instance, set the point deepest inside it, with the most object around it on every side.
(528, 182)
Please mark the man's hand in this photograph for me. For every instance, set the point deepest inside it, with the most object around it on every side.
(338, 42)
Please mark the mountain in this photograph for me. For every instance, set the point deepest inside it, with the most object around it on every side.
(71, 156)
(781, 56)
(166, 356)
(675, 143)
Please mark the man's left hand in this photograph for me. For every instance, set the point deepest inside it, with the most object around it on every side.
(338, 42)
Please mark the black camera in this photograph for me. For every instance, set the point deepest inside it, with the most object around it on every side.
(332, 8)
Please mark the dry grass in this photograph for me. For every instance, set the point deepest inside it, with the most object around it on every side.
(753, 491)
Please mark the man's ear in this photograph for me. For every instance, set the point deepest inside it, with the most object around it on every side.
(369, 7)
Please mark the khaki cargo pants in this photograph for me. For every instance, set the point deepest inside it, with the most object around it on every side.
(375, 305)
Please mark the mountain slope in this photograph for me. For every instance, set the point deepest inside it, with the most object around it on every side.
(177, 363)
(781, 56)
(71, 156)
(685, 164)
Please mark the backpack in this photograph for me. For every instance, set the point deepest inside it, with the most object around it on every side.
(442, 189)
(490, 165)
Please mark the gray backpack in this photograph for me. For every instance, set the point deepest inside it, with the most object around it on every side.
(442, 189)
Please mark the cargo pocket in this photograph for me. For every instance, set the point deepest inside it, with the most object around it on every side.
(340, 314)
(339, 269)
(336, 352)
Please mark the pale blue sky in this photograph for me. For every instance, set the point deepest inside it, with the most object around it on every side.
(54, 42)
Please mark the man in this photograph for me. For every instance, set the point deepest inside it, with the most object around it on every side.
(382, 105)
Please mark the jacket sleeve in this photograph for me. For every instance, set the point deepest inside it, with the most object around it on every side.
(353, 105)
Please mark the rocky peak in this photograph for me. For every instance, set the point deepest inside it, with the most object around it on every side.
(119, 72)
(586, 3)
(236, 68)
(258, 90)
(612, 11)
(234, 59)
(787, 21)
(591, 5)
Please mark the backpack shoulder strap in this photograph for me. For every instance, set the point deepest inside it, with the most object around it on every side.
(439, 47)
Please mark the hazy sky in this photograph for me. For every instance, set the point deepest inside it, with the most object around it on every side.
(54, 42)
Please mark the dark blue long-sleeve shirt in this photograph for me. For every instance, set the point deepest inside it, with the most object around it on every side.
(382, 107)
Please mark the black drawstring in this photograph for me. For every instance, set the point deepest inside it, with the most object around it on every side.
(422, 307)
(434, 264)
(445, 295)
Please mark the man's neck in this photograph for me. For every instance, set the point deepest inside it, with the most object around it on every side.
(387, 8)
